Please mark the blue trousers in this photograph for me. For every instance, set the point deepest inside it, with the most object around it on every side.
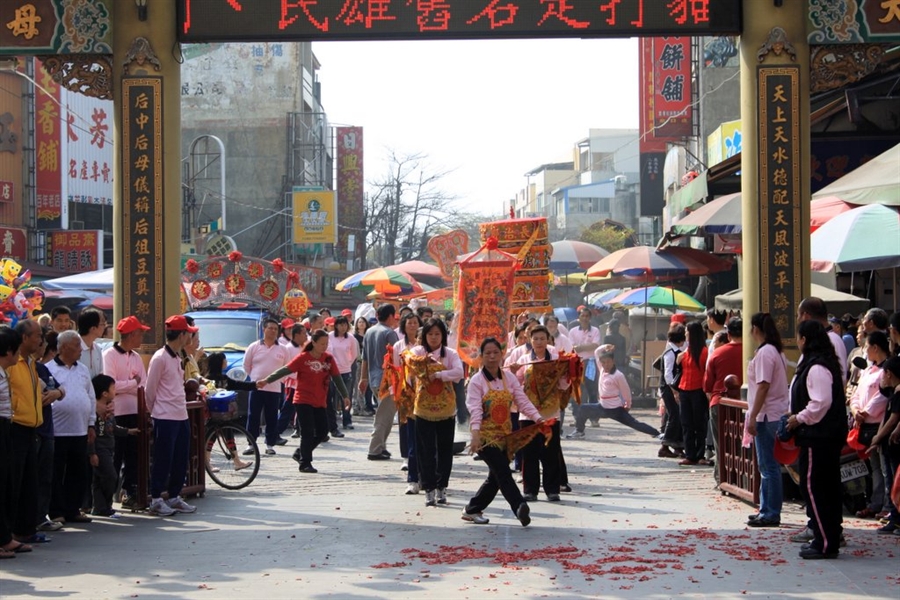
(267, 402)
(171, 448)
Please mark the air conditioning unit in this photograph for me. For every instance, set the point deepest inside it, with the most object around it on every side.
(621, 183)
(76, 224)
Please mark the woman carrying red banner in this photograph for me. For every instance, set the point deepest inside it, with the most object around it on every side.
(545, 386)
(491, 393)
(433, 368)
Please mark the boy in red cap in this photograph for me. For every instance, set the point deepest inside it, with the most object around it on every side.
(171, 429)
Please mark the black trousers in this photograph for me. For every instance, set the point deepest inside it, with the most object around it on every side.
(434, 452)
(127, 454)
(499, 479)
(103, 480)
(694, 422)
(673, 435)
(313, 423)
(537, 457)
(70, 475)
(5, 533)
(820, 483)
(22, 479)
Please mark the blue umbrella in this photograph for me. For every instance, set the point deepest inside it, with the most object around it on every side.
(565, 314)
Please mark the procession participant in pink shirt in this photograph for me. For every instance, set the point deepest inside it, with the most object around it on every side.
(544, 392)
(585, 339)
(171, 429)
(433, 368)
(122, 363)
(819, 424)
(615, 399)
(345, 350)
(261, 358)
(490, 393)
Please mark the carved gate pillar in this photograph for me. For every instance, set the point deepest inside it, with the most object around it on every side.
(147, 197)
(775, 163)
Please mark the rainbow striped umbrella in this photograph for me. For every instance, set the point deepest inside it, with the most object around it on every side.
(384, 280)
(656, 297)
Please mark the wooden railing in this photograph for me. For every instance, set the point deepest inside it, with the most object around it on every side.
(195, 484)
(738, 471)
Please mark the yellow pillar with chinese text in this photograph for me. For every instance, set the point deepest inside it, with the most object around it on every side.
(147, 201)
(775, 164)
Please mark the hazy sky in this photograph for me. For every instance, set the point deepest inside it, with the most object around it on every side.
(489, 110)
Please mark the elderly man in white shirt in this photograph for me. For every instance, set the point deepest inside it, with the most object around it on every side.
(73, 429)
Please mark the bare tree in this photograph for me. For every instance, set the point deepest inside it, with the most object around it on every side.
(404, 208)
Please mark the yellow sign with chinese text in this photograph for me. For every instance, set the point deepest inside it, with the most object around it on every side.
(315, 217)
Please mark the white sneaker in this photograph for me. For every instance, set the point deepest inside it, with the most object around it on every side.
(412, 488)
(159, 507)
(179, 505)
(477, 518)
(442, 495)
(429, 498)
(575, 435)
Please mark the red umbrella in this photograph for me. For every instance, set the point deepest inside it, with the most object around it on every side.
(822, 210)
(647, 261)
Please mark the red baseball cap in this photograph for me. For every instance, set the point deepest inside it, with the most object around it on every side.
(346, 313)
(786, 453)
(329, 320)
(130, 324)
(287, 323)
(179, 323)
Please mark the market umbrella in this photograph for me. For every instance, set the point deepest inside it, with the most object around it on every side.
(648, 262)
(657, 297)
(565, 314)
(875, 182)
(862, 239)
(572, 255)
(722, 216)
(385, 280)
(822, 210)
(600, 299)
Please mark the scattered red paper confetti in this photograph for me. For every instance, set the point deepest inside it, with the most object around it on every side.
(386, 565)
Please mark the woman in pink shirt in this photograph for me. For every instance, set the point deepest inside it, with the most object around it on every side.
(490, 394)
(345, 350)
(433, 368)
(819, 424)
(867, 404)
(767, 401)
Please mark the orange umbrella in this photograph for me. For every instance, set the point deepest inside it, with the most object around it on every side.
(822, 210)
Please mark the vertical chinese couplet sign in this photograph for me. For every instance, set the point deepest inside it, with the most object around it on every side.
(350, 190)
(665, 91)
(48, 153)
(780, 251)
(142, 202)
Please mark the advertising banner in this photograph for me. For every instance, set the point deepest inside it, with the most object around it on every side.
(314, 217)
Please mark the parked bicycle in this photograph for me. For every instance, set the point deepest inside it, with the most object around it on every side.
(225, 464)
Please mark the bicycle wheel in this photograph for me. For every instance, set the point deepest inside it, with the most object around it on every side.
(225, 462)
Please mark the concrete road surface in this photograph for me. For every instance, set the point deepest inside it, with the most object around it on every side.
(635, 526)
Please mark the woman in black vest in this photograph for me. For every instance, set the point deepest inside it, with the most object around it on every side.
(819, 423)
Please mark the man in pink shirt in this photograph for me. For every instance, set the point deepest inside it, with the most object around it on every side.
(171, 429)
(124, 364)
(261, 358)
(585, 340)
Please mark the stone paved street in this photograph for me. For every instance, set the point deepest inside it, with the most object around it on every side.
(635, 526)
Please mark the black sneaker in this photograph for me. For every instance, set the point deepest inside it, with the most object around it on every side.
(378, 457)
(530, 497)
(524, 514)
(296, 455)
(280, 441)
(308, 469)
(337, 434)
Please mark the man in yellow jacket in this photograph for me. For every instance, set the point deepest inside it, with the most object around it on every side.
(27, 406)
